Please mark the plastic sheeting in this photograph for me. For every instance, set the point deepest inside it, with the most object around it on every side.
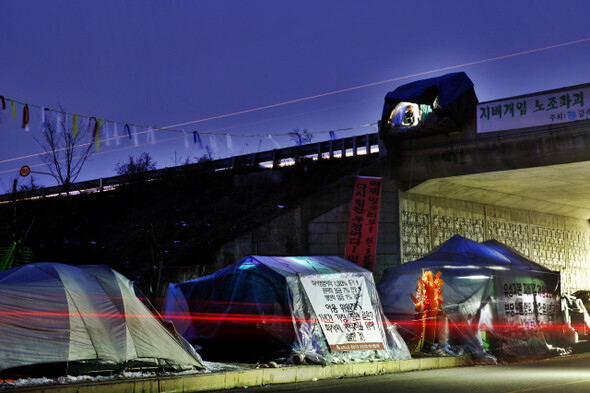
(506, 304)
(54, 314)
(259, 307)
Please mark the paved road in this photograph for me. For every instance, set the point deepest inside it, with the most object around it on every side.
(565, 374)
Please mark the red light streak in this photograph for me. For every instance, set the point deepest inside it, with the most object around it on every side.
(256, 319)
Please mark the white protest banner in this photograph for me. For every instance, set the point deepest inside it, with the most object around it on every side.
(562, 106)
(344, 310)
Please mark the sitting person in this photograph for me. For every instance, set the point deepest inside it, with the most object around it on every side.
(409, 117)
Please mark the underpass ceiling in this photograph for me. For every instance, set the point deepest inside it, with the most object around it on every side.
(563, 189)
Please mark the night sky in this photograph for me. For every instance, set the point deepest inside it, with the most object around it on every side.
(201, 63)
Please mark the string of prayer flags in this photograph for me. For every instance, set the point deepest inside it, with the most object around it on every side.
(62, 120)
(26, 117)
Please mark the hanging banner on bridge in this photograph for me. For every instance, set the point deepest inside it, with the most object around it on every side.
(561, 106)
(361, 242)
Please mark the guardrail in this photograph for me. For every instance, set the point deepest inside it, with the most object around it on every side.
(337, 148)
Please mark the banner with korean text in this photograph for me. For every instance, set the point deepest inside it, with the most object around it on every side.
(528, 300)
(361, 242)
(344, 310)
(535, 110)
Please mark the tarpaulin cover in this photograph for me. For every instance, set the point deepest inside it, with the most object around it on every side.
(504, 296)
(259, 307)
(55, 313)
(446, 89)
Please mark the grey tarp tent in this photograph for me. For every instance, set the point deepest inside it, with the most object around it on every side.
(515, 304)
(59, 318)
(259, 308)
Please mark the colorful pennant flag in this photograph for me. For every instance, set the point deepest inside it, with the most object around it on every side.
(116, 134)
(26, 117)
(75, 125)
(95, 129)
(197, 139)
(213, 142)
(107, 139)
(274, 142)
(135, 137)
(228, 141)
(58, 125)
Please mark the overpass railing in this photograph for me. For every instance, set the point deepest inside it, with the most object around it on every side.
(332, 149)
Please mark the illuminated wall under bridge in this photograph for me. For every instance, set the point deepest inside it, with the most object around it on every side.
(556, 242)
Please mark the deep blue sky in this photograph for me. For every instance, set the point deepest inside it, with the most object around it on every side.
(167, 62)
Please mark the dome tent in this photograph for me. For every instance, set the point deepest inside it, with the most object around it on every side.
(270, 307)
(484, 291)
(58, 318)
(517, 260)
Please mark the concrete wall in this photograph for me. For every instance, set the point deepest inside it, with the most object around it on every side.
(556, 242)
(412, 225)
(319, 227)
(327, 233)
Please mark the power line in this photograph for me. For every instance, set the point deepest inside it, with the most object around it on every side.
(169, 128)
(383, 81)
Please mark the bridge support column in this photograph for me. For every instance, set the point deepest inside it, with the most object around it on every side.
(388, 236)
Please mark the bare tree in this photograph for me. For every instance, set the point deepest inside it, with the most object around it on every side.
(65, 153)
(142, 164)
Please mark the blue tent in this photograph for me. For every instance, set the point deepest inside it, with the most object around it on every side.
(517, 260)
(453, 93)
(259, 309)
(483, 290)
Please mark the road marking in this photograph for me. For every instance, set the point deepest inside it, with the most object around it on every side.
(548, 386)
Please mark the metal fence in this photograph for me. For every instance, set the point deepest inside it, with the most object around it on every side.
(332, 149)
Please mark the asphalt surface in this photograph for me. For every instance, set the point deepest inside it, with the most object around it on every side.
(563, 374)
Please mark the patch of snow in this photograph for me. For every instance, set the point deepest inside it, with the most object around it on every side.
(215, 367)
(211, 367)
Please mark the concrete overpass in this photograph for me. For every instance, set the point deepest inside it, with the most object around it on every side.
(528, 187)
(548, 167)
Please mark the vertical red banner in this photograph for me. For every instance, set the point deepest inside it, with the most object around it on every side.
(361, 243)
